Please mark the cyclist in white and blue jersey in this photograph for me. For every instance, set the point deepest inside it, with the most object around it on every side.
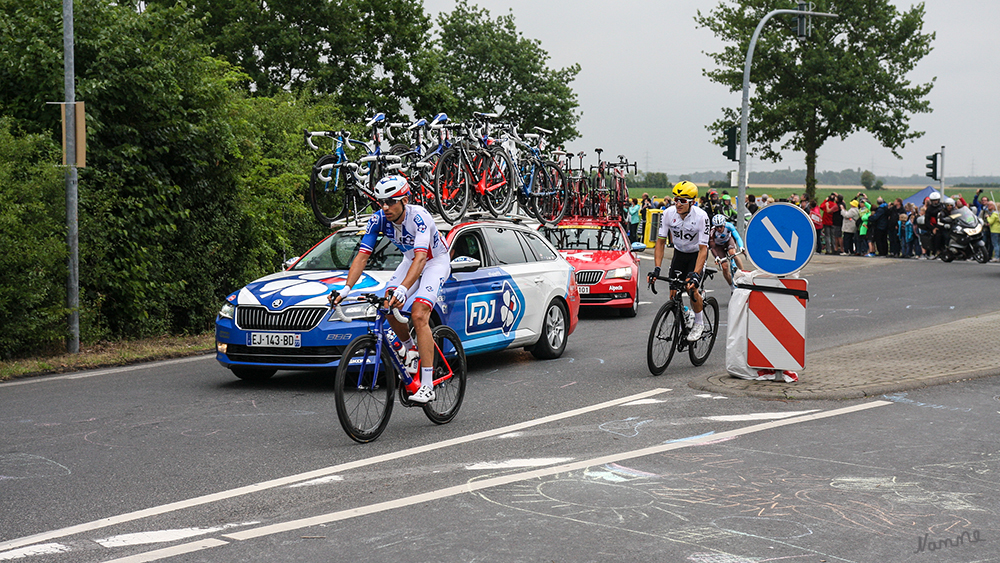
(725, 241)
(417, 280)
(687, 226)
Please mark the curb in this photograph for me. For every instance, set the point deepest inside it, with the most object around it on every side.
(725, 384)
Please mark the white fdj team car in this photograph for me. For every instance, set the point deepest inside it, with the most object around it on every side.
(508, 288)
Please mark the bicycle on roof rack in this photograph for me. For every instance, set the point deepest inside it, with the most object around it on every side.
(475, 171)
(339, 188)
(542, 182)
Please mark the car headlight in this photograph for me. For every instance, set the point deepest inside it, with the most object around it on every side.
(227, 311)
(620, 273)
(355, 311)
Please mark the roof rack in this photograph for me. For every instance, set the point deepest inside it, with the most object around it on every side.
(486, 216)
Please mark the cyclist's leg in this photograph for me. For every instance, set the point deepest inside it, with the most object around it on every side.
(400, 328)
(720, 253)
(425, 294)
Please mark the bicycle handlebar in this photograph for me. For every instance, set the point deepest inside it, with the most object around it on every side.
(372, 299)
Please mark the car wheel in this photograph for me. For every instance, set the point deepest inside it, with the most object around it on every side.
(633, 310)
(252, 374)
(555, 329)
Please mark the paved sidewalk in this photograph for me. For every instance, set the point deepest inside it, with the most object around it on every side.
(866, 369)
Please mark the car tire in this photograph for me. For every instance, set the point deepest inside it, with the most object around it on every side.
(252, 374)
(632, 311)
(555, 329)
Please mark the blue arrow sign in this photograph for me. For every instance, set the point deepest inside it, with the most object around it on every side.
(781, 239)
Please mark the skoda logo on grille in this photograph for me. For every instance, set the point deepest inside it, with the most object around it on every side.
(276, 303)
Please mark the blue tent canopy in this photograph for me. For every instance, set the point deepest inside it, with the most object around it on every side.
(918, 198)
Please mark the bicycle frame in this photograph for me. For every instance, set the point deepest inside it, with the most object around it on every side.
(379, 328)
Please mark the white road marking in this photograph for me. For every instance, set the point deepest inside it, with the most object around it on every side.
(534, 474)
(643, 402)
(110, 371)
(310, 475)
(757, 416)
(170, 551)
(511, 463)
(320, 481)
(41, 549)
(163, 536)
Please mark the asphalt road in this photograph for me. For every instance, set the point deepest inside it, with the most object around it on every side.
(584, 458)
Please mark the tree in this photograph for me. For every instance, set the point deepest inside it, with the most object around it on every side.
(489, 65)
(371, 55)
(849, 76)
(867, 179)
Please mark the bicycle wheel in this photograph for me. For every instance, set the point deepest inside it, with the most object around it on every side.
(451, 186)
(497, 181)
(363, 389)
(663, 337)
(449, 376)
(551, 203)
(539, 185)
(329, 200)
(701, 348)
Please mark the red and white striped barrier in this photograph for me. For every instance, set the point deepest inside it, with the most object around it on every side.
(776, 326)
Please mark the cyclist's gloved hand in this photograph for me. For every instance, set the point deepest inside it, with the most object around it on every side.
(651, 277)
(337, 296)
(399, 294)
(694, 278)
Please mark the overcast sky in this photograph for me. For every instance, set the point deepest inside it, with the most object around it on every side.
(642, 93)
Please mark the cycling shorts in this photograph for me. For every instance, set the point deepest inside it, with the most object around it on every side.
(721, 251)
(428, 286)
(682, 264)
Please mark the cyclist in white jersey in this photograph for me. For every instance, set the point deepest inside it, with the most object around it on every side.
(688, 227)
(417, 280)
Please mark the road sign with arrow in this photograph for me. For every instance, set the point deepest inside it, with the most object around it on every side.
(780, 239)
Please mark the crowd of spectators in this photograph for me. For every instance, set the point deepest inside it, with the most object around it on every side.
(859, 226)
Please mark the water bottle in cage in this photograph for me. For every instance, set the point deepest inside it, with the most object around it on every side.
(688, 316)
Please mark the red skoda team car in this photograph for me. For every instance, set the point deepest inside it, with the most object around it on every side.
(607, 268)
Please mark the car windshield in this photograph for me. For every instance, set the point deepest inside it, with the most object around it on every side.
(337, 252)
(585, 238)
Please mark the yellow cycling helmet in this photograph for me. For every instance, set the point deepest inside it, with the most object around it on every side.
(686, 189)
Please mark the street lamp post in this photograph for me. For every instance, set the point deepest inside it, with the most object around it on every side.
(741, 222)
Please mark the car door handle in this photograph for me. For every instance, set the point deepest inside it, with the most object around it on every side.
(539, 279)
(496, 285)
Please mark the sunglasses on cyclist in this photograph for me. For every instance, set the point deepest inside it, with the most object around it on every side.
(387, 202)
(681, 200)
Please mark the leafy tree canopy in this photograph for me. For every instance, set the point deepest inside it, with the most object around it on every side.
(849, 76)
(489, 65)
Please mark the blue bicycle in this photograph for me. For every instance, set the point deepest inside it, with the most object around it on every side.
(369, 371)
(338, 186)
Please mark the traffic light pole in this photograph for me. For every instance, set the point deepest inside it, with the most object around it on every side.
(740, 221)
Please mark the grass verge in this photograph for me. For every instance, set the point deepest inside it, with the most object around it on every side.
(110, 354)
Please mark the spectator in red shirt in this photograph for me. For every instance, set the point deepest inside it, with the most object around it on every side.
(828, 208)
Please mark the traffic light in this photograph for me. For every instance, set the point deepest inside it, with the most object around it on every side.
(730, 152)
(803, 25)
(933, 166)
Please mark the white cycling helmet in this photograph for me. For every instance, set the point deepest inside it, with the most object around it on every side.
(719, 220)
(392, 187)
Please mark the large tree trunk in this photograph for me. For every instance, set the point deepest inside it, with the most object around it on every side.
(811, 145)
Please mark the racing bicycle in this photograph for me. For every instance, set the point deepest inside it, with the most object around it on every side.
(369, 372)
(670, 329)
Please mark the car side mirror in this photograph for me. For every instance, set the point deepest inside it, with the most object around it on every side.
(638, 247)
(464, 264)
(288, 263)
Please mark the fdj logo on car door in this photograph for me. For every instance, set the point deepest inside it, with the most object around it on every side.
(498, 310)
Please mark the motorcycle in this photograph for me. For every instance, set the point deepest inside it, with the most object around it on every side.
(966, 237)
